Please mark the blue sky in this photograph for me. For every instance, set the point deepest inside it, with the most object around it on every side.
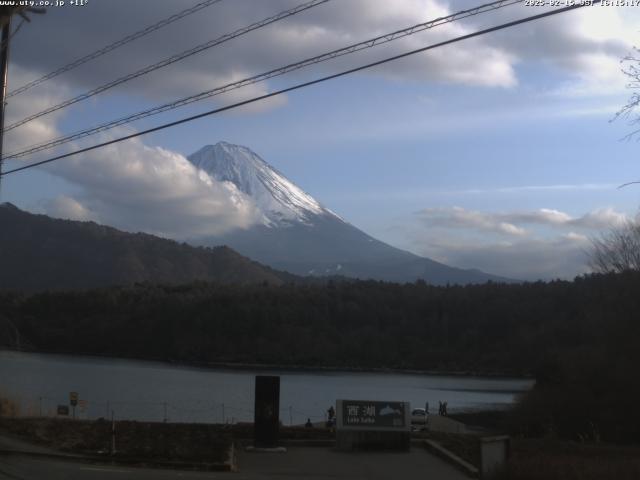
(496, 153)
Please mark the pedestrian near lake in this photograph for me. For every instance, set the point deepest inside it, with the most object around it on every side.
(331, 416)
(331, 412)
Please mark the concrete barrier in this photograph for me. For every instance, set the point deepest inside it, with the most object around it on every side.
(494, 453)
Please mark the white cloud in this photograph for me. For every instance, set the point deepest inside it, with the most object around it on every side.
(139, 188)
(556, 244)
(129, 185)
(584, 45)
(457, 217)
(537, 188)
(316, 31)
(593, 75)
(19, 107)
(67, 208)
(578, 237)
(565, 256)
(600, 219)
(510, 223)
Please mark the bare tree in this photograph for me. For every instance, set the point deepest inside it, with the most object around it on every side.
(631, 68)
(617, 250)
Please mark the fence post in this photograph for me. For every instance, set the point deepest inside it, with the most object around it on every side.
(113, 433)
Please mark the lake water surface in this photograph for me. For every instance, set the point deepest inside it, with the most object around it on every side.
(140, 390)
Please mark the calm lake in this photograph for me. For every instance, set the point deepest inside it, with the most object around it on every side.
(141, 390)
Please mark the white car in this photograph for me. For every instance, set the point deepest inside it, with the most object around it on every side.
(419, 416)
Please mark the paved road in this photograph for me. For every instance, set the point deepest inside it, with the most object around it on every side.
(315, 463)
(324, 463)
(18, 467)
(439, 423)
(11, 443)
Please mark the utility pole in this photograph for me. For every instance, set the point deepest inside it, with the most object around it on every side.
(6, 13)
(4, 67)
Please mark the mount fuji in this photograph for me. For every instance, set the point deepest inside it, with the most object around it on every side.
(298, 234)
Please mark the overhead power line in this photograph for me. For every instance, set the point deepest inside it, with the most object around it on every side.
(112, 46)
(379, 40)
(305, 84)
(170, 60)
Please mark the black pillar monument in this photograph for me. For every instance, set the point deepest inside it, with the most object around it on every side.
(267, 411)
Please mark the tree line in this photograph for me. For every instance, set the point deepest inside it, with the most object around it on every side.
(490, 327)
(579, 338)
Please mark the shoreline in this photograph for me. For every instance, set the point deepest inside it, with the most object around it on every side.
(235, 366)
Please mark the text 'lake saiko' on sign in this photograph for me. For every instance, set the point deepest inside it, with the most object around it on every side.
(378, 414)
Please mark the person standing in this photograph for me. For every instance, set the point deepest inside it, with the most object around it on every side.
(331, 416)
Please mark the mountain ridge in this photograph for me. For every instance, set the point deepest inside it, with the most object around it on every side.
(300, 235)
(38, 252)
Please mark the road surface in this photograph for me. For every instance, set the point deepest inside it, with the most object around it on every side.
(19, 467)
(317, 463)
(325, 463)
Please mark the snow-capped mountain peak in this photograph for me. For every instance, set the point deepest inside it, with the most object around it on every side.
(299, 235)
(280, 200)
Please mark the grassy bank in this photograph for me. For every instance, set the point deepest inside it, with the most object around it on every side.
(531, 459)
(167, 441)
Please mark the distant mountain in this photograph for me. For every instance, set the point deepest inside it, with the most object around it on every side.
(298, 234)
(38, 253)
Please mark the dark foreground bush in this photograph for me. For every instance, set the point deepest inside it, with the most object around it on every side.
(554, 460)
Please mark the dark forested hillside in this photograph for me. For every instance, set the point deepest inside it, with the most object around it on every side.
(491, 327)
(39, 253)
(580, 339)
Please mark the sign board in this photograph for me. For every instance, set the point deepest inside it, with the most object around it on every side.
(63, 410)
(364, 424)
(83, 407)
(73, 398)
(373, 415)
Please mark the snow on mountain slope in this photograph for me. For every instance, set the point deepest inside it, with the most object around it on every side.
(299, 235)
(280, 201)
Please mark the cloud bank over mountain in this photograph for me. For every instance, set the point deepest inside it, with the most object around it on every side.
(543, 243)
(139, 188)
